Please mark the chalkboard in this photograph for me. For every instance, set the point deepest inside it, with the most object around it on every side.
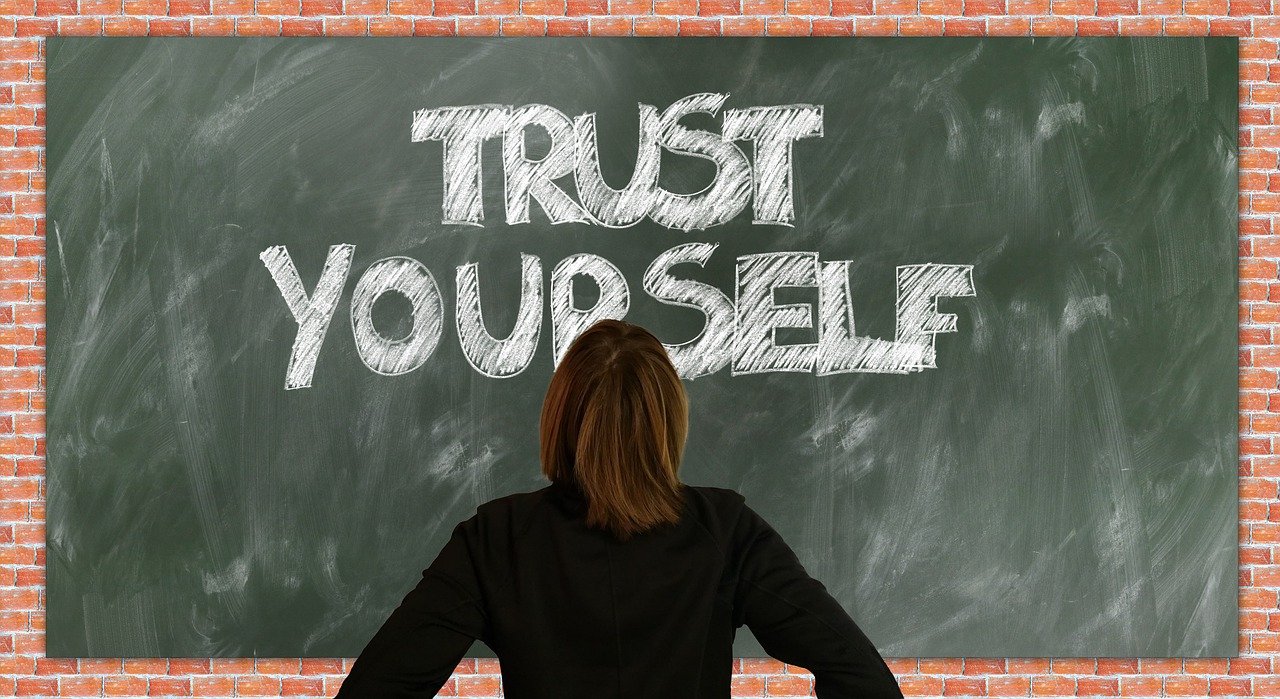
(957, 315)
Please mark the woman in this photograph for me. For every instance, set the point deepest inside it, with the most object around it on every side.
(616, 580)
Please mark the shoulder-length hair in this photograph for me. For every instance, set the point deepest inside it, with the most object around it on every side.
(613, 428)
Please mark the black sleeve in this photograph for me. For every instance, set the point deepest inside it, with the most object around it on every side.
(798, 622)
(421, 643)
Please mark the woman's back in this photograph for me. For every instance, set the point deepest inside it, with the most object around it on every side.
(573, 612)
(617, 580)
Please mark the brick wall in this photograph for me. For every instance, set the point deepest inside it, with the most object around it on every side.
(23, 669)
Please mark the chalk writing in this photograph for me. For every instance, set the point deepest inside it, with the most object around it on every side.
(738, 333)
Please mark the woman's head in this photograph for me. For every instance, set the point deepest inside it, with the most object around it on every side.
(614, 424)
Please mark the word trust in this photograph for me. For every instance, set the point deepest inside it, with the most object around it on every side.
(574, 150)
(738, 333)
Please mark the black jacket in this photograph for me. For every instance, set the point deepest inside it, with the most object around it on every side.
(573, 613)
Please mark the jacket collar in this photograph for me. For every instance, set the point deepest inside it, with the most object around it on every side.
(568, 496)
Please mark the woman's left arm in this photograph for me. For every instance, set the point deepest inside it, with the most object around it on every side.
(421, 643)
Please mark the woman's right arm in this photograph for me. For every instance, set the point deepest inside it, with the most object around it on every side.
(798, 622)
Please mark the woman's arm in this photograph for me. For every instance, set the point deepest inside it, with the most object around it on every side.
(798, 622)
(419, 646)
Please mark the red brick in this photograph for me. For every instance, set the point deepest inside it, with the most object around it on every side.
(145, 7)
(346, 26)
(1185, 686)
(257, 686)
(1008, 26)
(845, 8)
(32, 26)
(311, 8)
(454, 7)
(1249, 7)
(815, 7)
(567, 26)
(46, 8)
(1098, 687)
(432, 26)
(656, 26)
(964, 27)
(497, 7)
(964, 686)
(1266, 686)
(720, 7)
(786, 26)
(1186, 26)
(79, 26)
(1228, 686)
(478, 686)
(178, 8)
(301, 26)
(984, 7)
(542, 7)
(523, 26)
(830, 26)
(941, 666)
(675, 7)
(1139, 686)
(788, 685)
(1052, 685)
(610, 26)
(409, 7)
(169, 27)
(697, 26)
(1073, 666)
(1008, 686)
(578, 8)
(1052, 26)
(32, 686)
(291, 8)
(1097, 26)
(478, 26)
(390, 26)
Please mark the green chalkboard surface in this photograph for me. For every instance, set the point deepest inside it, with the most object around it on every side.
(957, 315)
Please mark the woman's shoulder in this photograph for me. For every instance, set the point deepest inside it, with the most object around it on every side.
(503, 514)
(717, 496)
(717, 491)
(717, 510)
